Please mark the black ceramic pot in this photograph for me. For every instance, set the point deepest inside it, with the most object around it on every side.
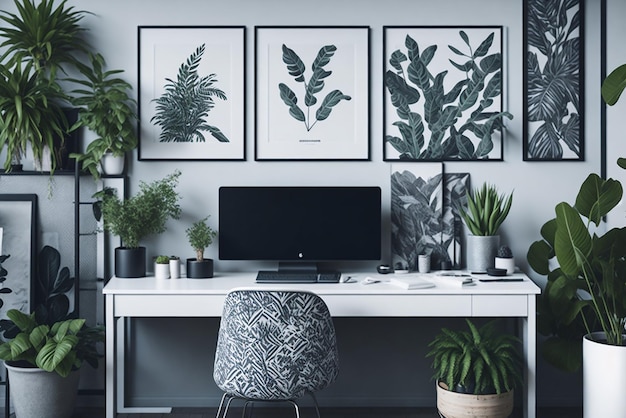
(199, 269)
(130, 262)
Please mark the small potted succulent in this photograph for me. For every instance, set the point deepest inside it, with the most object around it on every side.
(162, 267)
(200, 236)
(505, 260)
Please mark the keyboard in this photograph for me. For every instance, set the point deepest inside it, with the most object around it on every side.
(272, 276)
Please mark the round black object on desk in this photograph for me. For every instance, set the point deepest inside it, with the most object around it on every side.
(492, 271)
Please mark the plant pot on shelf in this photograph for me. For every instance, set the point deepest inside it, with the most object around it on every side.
(112, 165)
(481, 252)
(174, 268)
(604, 383)
(507, 264)
(462, 405)
(199, 269)
(162, 271)
(36, 393)
(130, 262)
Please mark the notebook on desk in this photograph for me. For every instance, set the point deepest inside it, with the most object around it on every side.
(411, 282)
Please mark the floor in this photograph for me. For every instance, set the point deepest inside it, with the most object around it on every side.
(326, 413)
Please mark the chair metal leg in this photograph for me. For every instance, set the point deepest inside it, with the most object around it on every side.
(295, 405)
(245, 409)
(226, 406)
(317, 407)
(219, 410)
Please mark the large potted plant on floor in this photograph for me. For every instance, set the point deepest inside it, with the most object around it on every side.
(486, 210)
(41, 41)
(585, 294)
(43, 362)
(134, 218)
(200, 236)
(476, 371)
(106, 109)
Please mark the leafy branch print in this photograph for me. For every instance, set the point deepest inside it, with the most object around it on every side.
(3, 278)
(553, 89)
(183, 108)
(451, 115)
(315, 84)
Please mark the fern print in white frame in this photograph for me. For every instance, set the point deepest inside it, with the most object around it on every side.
(312, 93)
(191, 93)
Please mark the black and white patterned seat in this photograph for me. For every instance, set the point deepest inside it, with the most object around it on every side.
(274, 346)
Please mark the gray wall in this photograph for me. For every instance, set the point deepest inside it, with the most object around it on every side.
(382, 359)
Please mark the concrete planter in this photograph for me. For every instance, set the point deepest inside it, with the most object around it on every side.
(36, 393)
(481, 252)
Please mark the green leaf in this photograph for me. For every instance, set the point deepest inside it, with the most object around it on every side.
(597, 197)
(572, 241)
(295, 66)
(316, 84)
(396, 60)
(291, 100)
(323, 56)
(217, 134)
(614, 84)
(331, 100)
(484, 47)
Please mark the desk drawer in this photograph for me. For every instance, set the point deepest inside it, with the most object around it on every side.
(169, 305)
(500, 305)
(398, 305)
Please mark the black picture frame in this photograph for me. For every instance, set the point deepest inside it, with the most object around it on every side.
(443, 93)
(312, 93)
(554, 81)
(18, 220)
(183, 58)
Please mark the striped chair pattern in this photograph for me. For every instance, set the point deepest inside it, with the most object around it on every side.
(274, 345)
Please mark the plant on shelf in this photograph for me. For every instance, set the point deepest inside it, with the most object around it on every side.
(505, 260)
(486, 210)
(141, 215)
(106, 109)
(477, 361)
(200, 236)
(162, 267)
(40, 40)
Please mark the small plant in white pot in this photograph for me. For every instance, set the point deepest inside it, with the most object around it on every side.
(174, 267)
(200, 236)
(505, 260)
(162, 267)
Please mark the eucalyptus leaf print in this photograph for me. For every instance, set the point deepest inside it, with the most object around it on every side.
(311, 87)
(183, 109)
(447, 108)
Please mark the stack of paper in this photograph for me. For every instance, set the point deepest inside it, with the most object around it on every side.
(458, 280)
(411, 282)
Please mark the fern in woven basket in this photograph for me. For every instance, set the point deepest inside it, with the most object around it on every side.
(480, 360)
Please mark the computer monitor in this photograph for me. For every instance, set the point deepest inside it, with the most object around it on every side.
(300, 226)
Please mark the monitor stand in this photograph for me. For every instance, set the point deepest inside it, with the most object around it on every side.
(294, 272)
(298, 267)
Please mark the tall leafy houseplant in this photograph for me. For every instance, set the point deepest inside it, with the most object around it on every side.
(451, 116)
(477, 361)
(141, 215)
(183, 109)
(200, 236)
(40, 40)
(106, 109)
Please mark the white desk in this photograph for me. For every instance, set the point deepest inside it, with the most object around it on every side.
(147, 297)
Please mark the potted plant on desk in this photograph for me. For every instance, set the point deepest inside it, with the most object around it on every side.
(44, 361)
(134, 218)
(200, 236)
(476, 371)
(485, 212)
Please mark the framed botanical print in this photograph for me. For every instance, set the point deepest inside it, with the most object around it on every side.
(312, 93)
(191, 93)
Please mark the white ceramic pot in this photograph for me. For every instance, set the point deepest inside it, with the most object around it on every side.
(162, 271)
(481, 252)
(507, 264)
(36, 393)
(112, 165)
(604, 378)
(175, 268)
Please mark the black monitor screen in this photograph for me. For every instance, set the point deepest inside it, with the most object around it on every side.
(300, 223)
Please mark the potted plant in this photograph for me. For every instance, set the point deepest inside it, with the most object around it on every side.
(200, 236)
(43, 363)
(162, 267)
(134, 218)
(585, 295)
(174, 267)
(476, 371)
(40, 40)
(485, 212)
(505, 260)
(106, 109)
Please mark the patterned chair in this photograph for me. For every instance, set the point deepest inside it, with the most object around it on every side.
(274, 346)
